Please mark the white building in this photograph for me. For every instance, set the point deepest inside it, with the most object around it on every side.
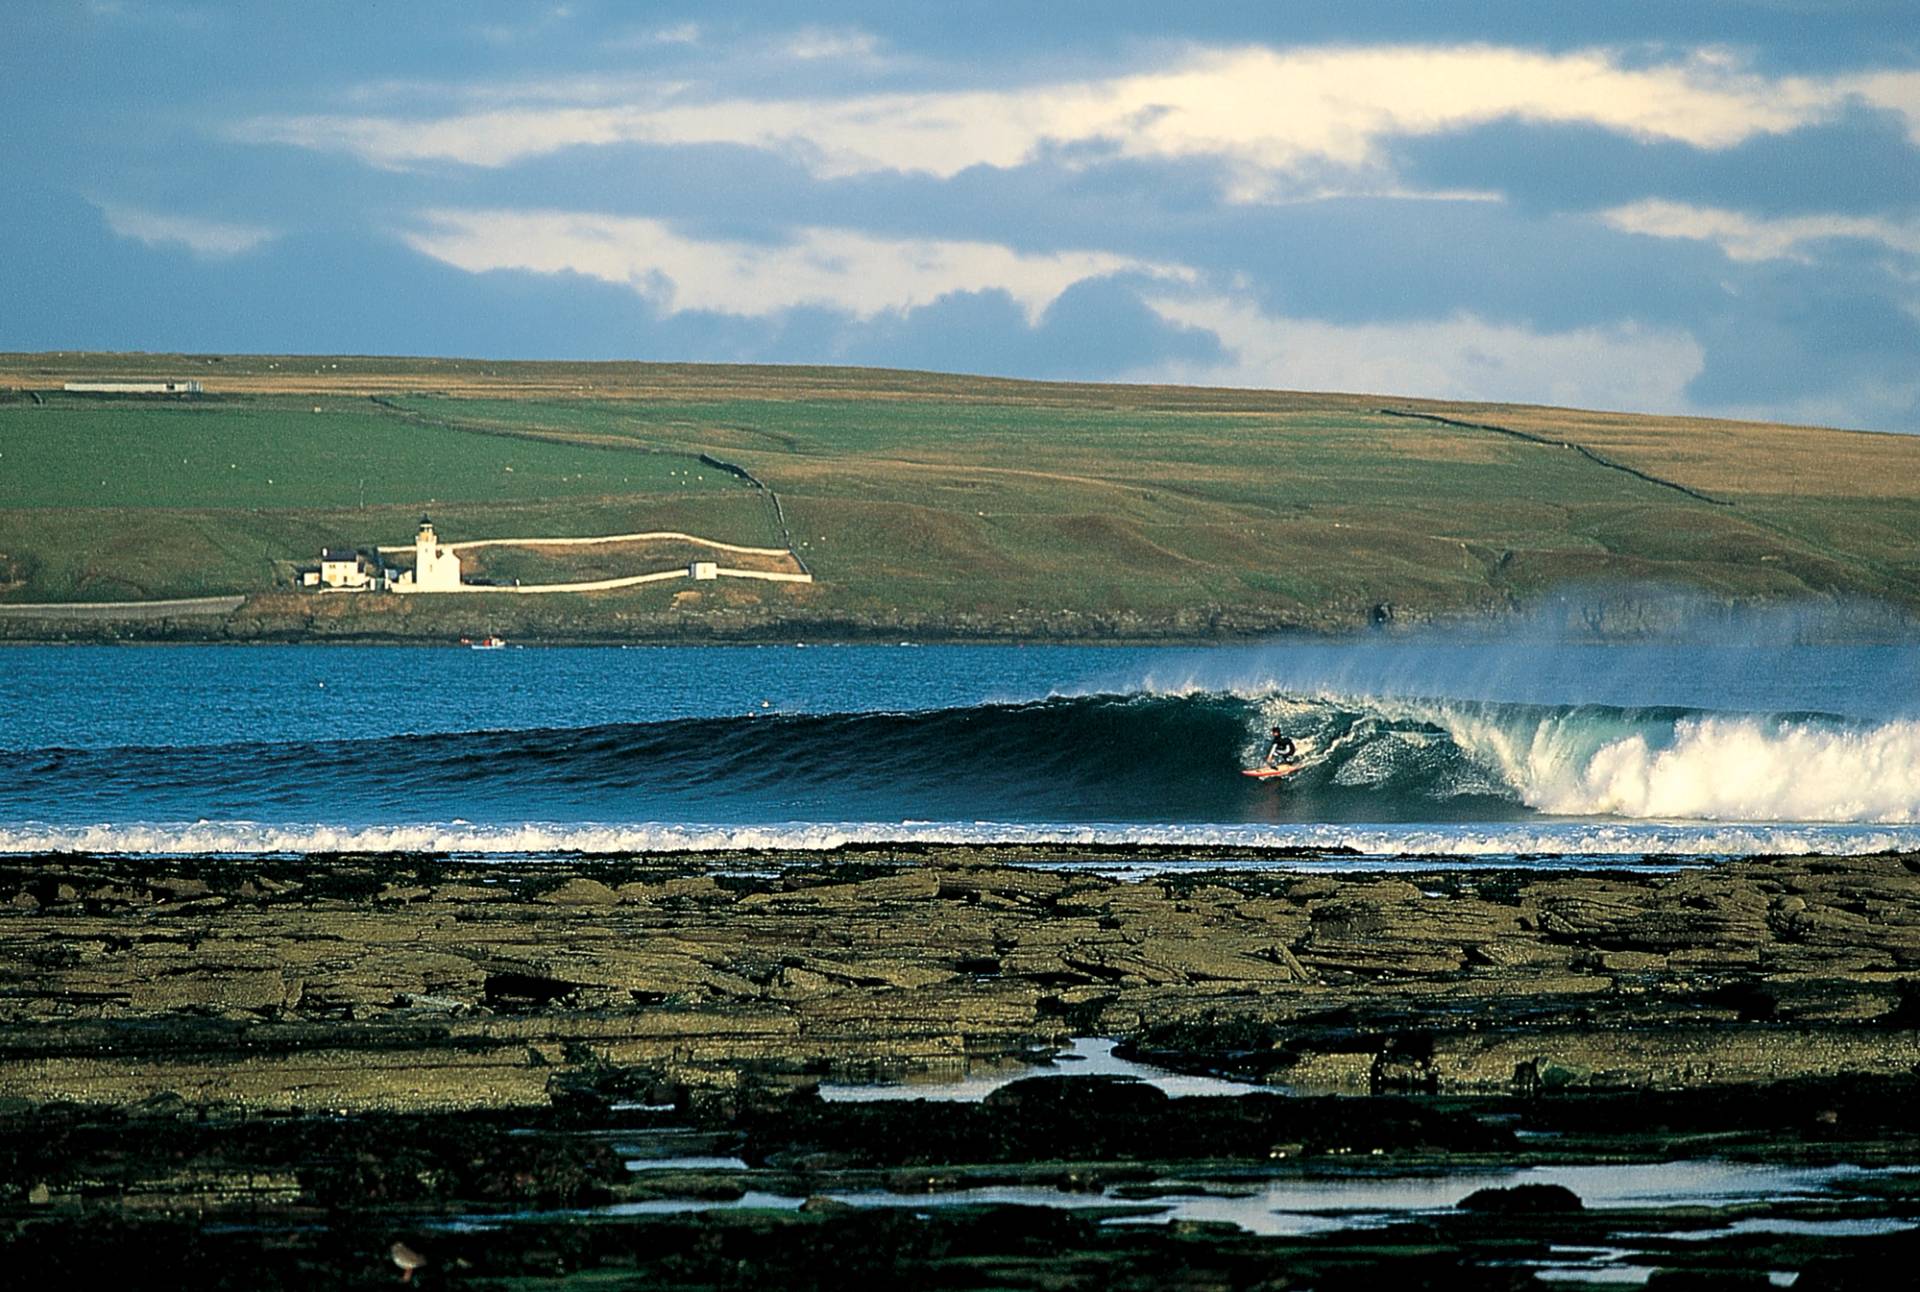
(132, 387)
(435, 568)
(341, 568)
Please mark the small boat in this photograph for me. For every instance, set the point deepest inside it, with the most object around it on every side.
(485, 643)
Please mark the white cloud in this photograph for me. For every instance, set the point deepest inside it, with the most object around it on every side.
(1748, 237)
(1265, 112)
(213, 239)
(1623, 366)
(1894, 91)
(843, 44)
(835, 268)
(682, 33)
(1462, 357)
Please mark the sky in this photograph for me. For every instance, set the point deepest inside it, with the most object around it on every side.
(1701, 206)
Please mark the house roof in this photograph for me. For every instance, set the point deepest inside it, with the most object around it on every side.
(338, 554)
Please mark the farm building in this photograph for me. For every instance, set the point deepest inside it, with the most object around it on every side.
(132, 388)
(343, 569)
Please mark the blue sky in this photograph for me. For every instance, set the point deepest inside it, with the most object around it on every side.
(1708, 207)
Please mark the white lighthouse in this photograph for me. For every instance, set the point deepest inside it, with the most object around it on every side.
(435, 568)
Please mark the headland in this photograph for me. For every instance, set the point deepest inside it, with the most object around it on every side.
(885, 505)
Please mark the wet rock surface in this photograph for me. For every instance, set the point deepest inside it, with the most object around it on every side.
(269, 1071)
(1058, 1118)
(403, 983)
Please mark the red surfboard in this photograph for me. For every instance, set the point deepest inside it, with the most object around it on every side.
(1281, 772)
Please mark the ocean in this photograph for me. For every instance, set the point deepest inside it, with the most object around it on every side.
(1500, 752)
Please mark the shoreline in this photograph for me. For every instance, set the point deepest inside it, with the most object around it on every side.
(1530, 848)
(910, 954)
(101, 630)
(1882, 626)
(266, 1072)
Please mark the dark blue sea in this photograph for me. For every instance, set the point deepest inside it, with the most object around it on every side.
(1468, 749)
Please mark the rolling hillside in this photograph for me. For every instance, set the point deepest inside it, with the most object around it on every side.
(925, 504)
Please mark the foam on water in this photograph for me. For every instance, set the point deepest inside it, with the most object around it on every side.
(1697, 766)
(1483, 843)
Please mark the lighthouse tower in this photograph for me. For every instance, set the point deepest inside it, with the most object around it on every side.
(435, 568)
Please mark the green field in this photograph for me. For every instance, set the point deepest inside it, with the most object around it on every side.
(114, 499)
(931, 503)
(301, 454)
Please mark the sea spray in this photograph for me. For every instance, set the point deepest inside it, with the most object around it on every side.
(1706, 656)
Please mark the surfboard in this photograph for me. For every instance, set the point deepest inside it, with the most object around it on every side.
(1281, 772)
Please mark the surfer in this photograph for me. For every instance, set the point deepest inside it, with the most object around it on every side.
(1281, 751)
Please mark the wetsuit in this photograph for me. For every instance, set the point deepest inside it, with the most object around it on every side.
(1281, 752)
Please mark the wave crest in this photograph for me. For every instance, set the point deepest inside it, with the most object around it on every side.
(1152, 758)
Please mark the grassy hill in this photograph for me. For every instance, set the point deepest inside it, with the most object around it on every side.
(922, 503)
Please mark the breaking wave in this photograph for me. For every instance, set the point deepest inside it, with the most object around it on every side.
(1703, 766)
(1121, 762)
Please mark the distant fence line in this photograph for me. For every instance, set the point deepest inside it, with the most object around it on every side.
(1551, 443)
(733, 469)
(779, 512)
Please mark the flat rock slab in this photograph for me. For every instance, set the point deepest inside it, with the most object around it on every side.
(414, 983)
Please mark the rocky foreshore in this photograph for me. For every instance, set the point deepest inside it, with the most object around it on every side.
(410, 983)
(343, 1046)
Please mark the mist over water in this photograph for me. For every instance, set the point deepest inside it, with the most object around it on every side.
(1780, 660)
(1536, 743)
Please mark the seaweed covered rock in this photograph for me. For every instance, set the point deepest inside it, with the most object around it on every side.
(1100, 1118)
(1523, 1200)
(1094, 1096)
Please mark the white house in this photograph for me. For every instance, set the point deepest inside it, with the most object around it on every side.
(341, 568)
(435, 568)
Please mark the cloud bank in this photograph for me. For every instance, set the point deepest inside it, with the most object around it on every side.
(1267, 112)
(1681, 212)
(837, 269)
